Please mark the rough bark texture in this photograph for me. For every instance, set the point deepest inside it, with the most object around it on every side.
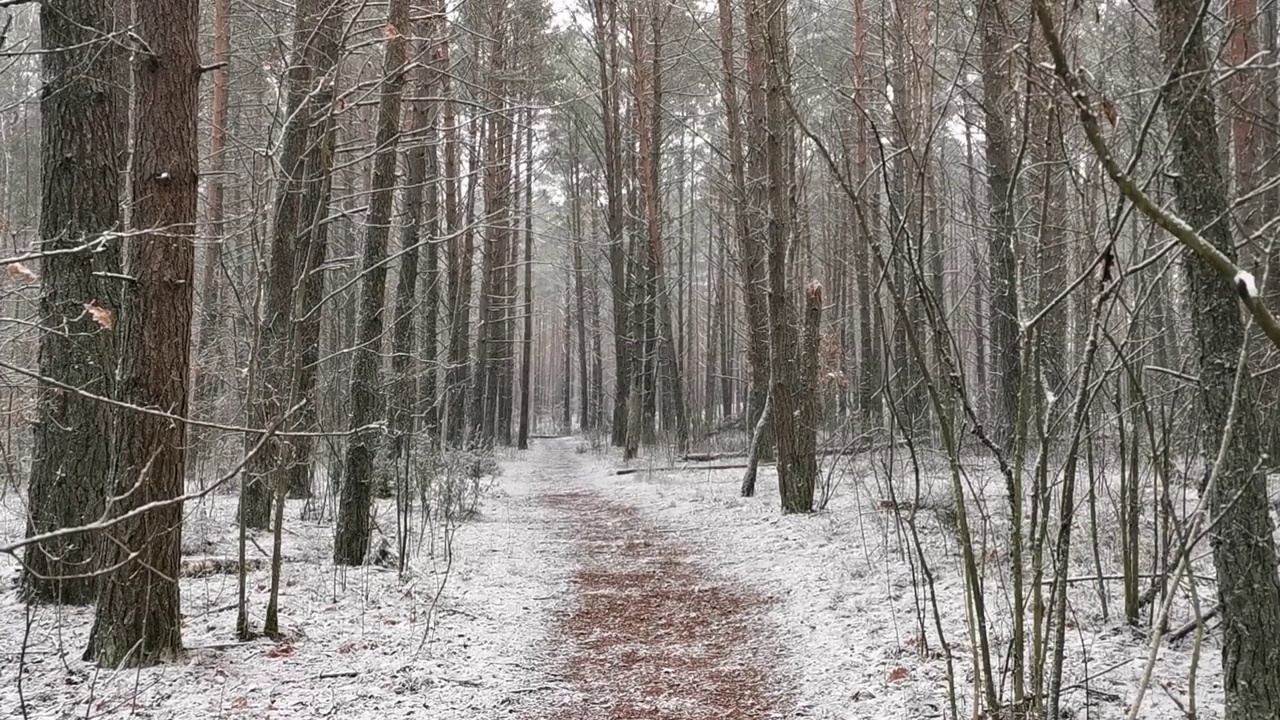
(746, 231)
(138, 618)
(526, 349)
(792, 406)
(491, 340)
(351, 542)
(1243, 548)
(605, 27)
(317, 26)
(461, 250)
(206, 371)
(646, 38)
(420, 223)
(79, 203)
(1004, 299)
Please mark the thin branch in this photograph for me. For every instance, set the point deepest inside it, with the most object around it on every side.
(106, 524)
(1239, 279)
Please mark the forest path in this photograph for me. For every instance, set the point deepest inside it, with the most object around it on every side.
(653, 632)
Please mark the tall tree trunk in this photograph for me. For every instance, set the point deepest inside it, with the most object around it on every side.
(1005, 335)
(312, 243)
(1243, 546)
(604, 15)
(526, 349)
(647, 42)
(497, 198)
(351, 542)
(138, 620)
(461, 252)
(1254, 140)
(207, 372)
(576, 240)
(745, 226)
(566, 389)
(317, 26)
(79, 205)
(795, 439)
(420, 222)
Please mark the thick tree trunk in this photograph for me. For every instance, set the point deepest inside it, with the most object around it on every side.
(1243, 546)
(420, 224)
(138, 620)
(491, 345)
(351, 542)
(790, 396)
(79, 205)
(312, 248)
(461, 253)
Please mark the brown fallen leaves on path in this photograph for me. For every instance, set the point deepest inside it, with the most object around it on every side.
(654, 634)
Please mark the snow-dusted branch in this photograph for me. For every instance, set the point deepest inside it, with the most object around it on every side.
(1231, 273)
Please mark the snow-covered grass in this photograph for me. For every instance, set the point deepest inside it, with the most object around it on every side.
(849, 601)
(361, 642)
(847, 617)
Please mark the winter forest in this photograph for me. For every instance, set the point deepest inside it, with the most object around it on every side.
(622, 359)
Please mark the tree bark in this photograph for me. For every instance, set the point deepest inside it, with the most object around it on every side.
(138, 620)
(207, 373)
(79, 205)
(351, 542)
(746, 231)
(1005, 335)
(317, 26)
(460, 255)
(646, 38)
(1243, 546)
(420, 224)
(797, 465)
(526, 349)
(604, 15)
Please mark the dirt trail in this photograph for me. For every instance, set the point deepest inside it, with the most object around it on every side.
(653, 633)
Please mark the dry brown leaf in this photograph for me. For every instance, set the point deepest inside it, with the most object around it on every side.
(279, 651)
(104, 317)
(20, 273)
(898, 673)
(1109, 110)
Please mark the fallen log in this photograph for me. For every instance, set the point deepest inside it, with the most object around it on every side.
(829, 452)
(1190, 627)
(198, 567)
(682, 468)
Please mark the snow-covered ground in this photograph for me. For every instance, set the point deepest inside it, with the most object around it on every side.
(847, 612)
(365, 644)
(360, 644)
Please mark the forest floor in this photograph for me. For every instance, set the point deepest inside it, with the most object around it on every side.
(575, 593)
